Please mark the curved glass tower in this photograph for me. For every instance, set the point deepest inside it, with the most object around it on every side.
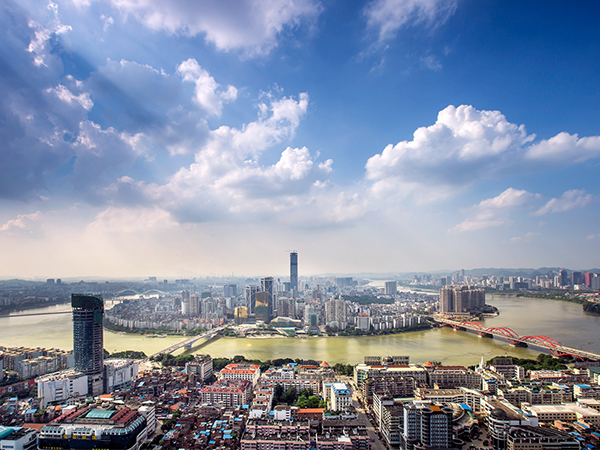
(88, 339)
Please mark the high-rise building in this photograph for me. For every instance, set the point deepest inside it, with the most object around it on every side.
(251, 297)
(194, 305)
(293, 271)
(391, 288)
(577, 278)
(563, 278)
(427, 426)
(336, 315)
(460, 299)
(266, 285)
(261, 309)
(88, 339)
(185, 303)
(230, 290)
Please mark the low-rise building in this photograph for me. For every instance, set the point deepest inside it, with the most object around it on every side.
(17, 438)
(61, 386)
(234, 371)
(228, 392)
(201, 365)
(90, 428)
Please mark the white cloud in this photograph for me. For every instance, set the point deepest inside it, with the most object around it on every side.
(250, 25)
(207, 93)
(565, 147)
(527, 238)
(24, 224)
(463, 146)
(228, 180)
(39, 45)
(132, 220)
(575, 198)
(494, 212)
(388, 16)
(67, 96)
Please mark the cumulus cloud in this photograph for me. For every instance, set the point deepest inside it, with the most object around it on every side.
(207, 92)
(388, 16)
(565, 147)
(228, 178)
(461, 147)
(252, 26)
(494, 212)
(575, 198)
(464, 146)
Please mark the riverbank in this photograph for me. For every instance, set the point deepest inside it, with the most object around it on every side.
(6, 310)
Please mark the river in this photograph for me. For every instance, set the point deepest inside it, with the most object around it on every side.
(565, 322)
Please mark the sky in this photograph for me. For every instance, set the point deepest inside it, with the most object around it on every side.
(200, 138)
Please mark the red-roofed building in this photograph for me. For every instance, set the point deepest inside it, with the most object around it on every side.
(250, 372)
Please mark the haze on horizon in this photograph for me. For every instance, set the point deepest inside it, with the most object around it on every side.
(183, 138)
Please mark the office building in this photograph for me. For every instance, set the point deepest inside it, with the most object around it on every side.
(250, 294)
(266, 285)
(261, 308)
(88, 339)
(294, 272)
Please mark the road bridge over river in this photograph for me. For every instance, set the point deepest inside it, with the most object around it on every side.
(189, 342)
(545, 342)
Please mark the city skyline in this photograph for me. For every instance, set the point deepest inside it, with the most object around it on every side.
(388, 136)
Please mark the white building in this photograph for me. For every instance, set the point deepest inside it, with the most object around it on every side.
(341, 398)
(17, 438)
(119, 374)
(60, 386)
(201, 365)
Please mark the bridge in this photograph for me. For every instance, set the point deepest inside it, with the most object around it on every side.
(545, 342)
(188, 342)
(134, 292)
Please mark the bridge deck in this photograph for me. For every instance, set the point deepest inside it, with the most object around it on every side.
(504, 332)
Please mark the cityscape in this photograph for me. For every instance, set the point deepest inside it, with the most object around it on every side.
(181, 396)
(299, 225)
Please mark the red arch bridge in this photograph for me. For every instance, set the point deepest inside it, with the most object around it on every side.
(555, 348)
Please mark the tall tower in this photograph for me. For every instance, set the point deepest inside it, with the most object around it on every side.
(251, 298)
(294, 272)
(266, 285)
(88, 339)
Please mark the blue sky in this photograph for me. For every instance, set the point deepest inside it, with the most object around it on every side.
(184, 138)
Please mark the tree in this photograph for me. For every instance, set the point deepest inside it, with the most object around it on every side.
(289, 396)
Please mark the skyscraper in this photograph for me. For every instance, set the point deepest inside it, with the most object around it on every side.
(293, 271)
(88, 339)
(266, 285)
(251, 291)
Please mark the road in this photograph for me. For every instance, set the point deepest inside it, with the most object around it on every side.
(376, 443)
